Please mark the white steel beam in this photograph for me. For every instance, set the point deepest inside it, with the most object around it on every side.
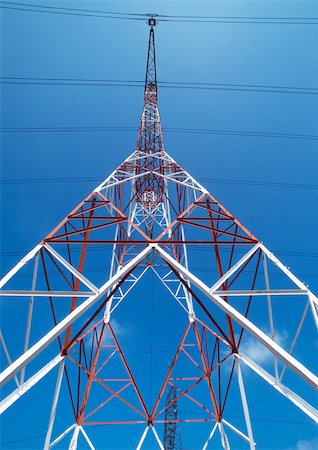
(73, 443)
(69, 319)
(28, 384)
(72, 269)
(314, 308)
(270, 310)
(30, 312)
(288, 393)
(157, 438)
(272, 346)
(171, 291)
(99, 187)
(6, 352)
(300, 326)
(20, 264)
(189, 176)
(290, 275)
(210, 437)
(250, 438)
(224, 439)
(107, 313)
(143, 437)
(54, 405)
(62, 435)
(234, 268)
(236, 431)
(90, 444)
(133, 177)
(183, 183)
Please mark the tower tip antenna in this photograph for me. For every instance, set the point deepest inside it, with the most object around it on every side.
(152, 22)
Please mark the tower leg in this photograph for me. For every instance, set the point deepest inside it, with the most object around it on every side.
(62, 435)
(91, 446)
(210, 437)
(30, 312)
(224, 439)
(73, 443)
(143, 437)
(314, 308)
(157, 438)
(245, 405)
(54, 405)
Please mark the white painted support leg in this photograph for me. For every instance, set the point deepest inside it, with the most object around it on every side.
(108, 313)
(234, 268)
(62, 435)
(224, 439)
(6, 352)
(288, 393)
(314, 308)
(300, 326)
(210, 437)
(71, 269)
(236, 430)
(54, 405)
(245, 405)
(187, 294)
(20, 264)
(270, 310)
(91, 446)
(157, 438)
(28, 384)
(73, 443)
(290, 275)
(30, 312)
(143, 437)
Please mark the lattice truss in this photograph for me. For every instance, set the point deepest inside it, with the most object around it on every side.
(150, 257)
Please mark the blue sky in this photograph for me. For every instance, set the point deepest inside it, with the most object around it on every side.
(278, 212)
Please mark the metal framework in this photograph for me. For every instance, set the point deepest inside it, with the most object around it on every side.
(151, 220)
(172, 436)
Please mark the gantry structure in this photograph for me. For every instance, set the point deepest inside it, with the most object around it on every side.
(138, 243)
(172, 436)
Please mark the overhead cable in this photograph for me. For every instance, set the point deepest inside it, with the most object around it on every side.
(45, 81)
(58, 10)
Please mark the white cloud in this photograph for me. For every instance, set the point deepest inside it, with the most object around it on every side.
(256, 351)
(307, 445)
(118, 329)
(303, 444)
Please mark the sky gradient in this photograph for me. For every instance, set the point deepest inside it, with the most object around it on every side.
(268, 182)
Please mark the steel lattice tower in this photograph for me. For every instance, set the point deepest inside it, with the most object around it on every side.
(151, 221)
(172, 437)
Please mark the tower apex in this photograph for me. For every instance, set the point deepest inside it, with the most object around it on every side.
(152, 22)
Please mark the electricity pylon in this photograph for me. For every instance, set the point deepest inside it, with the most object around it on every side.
(172, 437)
(151, 223)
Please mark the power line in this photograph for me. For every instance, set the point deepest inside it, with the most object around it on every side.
(200, 269)
(166, 130)
(205, 180)
(45, 81)
(261, 183)
(60, 12)
(194, 247)
(121, 13)
(48, 9)
(262, 419)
